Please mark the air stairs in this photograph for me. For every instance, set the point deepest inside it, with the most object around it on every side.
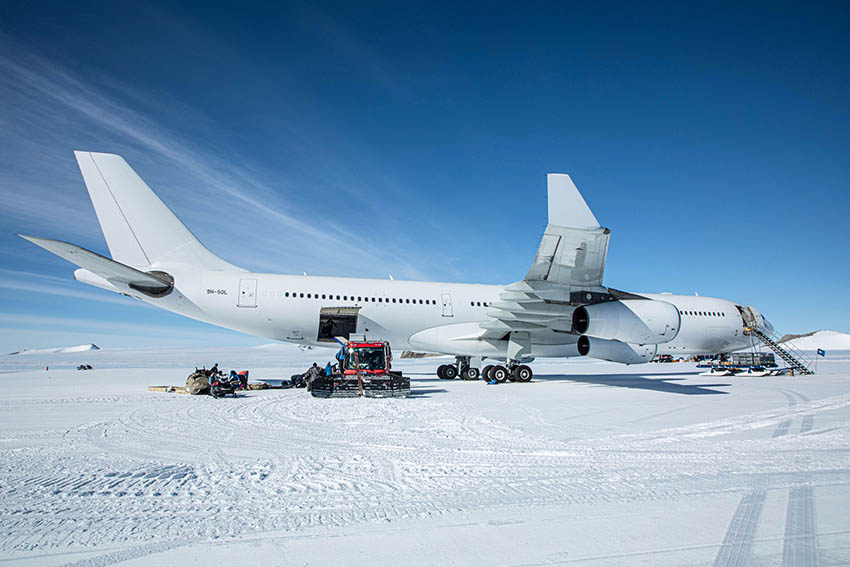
(797, 361)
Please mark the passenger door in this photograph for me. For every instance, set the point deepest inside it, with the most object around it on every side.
(448, 311)
(247, 293)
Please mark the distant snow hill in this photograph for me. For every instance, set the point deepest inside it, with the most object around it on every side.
(59, 350)
(827, 340)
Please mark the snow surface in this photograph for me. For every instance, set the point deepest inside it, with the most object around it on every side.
(593, 463)
(58, 350)
(827, 340)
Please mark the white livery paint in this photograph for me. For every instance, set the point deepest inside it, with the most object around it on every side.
(560, 309)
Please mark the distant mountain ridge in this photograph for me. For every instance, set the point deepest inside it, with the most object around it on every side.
(59, 350)
(790, 336)
(825, 339)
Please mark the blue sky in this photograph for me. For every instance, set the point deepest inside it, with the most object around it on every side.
(366, 140)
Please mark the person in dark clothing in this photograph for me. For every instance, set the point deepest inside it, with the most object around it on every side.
(312, 373)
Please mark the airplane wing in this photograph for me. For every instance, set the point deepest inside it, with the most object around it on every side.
(566, 272)
(119, 275)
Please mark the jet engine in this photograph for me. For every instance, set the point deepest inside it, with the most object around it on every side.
(615, 351)
(637, 321)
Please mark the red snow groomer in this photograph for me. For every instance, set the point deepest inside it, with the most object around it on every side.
(363, 369)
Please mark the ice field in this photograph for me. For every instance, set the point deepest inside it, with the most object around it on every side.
(592, 463)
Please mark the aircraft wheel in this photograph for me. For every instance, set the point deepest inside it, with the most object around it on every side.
(450, 372)
(499, 374)
(523, 373)
(485, 374)
(441, 372)
(470, 374)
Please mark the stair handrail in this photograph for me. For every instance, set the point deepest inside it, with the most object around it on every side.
(802, 360)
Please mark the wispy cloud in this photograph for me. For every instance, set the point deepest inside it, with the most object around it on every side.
(25, 283)
(222, 181)
(19, 321)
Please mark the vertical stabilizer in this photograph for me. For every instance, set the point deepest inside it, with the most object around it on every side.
(140, 230)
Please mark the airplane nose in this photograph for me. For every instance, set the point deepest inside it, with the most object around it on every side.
(768, 326)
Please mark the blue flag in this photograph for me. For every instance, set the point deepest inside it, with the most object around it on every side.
(821, 352)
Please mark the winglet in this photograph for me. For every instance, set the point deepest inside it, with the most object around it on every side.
(566, 205)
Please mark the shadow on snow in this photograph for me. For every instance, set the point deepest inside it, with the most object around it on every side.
(637, 381)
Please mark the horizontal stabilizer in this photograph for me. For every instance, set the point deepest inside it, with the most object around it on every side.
(119, 275)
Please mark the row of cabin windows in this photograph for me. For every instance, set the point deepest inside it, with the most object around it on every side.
(478, 303)
(703, 313)
(301, 295)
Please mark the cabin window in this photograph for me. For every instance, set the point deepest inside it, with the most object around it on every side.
(407, 301)
(323, 296)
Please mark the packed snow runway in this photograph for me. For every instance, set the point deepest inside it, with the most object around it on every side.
(593, 463)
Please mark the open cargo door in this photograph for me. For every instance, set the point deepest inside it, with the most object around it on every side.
(337, 322)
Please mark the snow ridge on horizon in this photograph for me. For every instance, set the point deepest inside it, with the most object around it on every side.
(58, 350)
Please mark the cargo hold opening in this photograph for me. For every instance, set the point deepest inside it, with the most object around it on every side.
(337, 322)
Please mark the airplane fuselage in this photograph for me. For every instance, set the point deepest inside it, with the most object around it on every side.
(288, 308)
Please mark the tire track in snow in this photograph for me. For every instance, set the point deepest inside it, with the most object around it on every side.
(800, 541)
(126, 554)
(738, 541)
(800, 545)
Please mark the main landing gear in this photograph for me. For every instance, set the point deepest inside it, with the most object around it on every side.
(461, 368)
(492, 372)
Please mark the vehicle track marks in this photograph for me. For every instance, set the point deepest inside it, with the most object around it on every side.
(800, 546)
(738, 541)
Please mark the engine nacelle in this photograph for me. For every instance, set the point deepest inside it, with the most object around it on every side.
(636, 321)
(615, 351)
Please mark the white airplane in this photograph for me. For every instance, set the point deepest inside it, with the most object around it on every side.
(560, 309)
